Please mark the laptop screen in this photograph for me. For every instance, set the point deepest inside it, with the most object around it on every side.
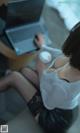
(20, 12)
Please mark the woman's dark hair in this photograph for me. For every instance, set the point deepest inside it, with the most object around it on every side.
(71, 47)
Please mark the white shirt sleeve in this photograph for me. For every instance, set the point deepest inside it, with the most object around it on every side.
(53, 93)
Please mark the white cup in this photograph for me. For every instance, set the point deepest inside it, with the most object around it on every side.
(45, 57)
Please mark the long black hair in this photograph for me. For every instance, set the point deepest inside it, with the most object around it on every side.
(71, 47)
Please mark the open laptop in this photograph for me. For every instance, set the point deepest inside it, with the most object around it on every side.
(23, 23)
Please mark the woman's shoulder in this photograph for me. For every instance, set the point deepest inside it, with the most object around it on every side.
(52, 75)
(60, 61)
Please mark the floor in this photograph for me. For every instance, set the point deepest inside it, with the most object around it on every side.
(57, 33)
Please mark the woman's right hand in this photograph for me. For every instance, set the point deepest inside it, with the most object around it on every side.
(39, 40)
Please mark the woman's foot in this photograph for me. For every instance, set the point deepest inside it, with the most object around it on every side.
(3, 122)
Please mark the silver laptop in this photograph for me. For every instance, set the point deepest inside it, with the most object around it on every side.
(23, 23)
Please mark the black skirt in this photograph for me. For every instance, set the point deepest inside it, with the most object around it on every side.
(52, 121)
(57, 120)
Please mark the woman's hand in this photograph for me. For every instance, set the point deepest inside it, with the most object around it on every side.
(40, 67)
(39, 40)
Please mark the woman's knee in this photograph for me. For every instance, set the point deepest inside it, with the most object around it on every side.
(26, 71)
(30, 74)
(15, 76)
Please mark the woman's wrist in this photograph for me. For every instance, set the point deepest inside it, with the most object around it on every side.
(42, 46)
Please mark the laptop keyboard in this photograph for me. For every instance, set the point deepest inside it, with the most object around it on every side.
(25, 32)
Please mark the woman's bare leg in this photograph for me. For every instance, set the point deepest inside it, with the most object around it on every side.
(17, 81)
(31, 75)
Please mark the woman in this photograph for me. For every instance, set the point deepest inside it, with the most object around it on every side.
(53, 91)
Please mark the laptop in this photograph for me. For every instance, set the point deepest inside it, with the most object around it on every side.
(24, 21)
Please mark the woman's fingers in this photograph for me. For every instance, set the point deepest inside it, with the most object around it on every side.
(39, 40)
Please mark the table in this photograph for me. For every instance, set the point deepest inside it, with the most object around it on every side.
(15, 62)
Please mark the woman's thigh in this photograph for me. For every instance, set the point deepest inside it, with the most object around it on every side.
(31, 75)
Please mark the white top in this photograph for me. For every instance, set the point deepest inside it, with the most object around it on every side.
(58, 93)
